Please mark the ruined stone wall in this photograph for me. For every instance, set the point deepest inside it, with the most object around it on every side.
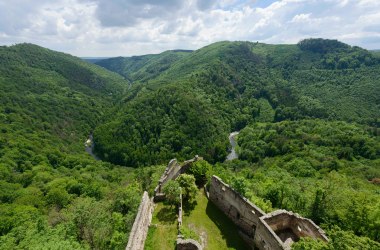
(184, 167)
(284, 220)
(180, 211)
(140, 226)
(240, 210)
(169, 173)
(185, 244)
(188, 244)
(176, 169)
(306, 227)
(265, 238)
(276, 230)
(172, 171)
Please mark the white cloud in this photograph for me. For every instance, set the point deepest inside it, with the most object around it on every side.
(128, 27)
(300, 18)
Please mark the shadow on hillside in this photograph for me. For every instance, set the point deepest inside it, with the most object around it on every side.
(167, 215)
(228, 230)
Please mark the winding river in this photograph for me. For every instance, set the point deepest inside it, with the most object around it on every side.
(89, 144)
(232, 155)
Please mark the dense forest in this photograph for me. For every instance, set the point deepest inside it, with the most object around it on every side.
(325, 170)
(228, 85)
(52, 194)
(309, 141)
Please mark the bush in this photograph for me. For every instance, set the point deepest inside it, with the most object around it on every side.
(189, 189)
(172, 191)
(201, 170)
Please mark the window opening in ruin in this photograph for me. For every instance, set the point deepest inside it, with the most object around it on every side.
(253, 230)
(238, 215)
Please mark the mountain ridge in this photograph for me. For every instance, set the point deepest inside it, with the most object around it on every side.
(244, 82)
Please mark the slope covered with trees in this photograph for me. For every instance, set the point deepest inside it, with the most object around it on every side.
(309, 120)
(233, 84)
(143, 68)
(309, 141)
(325, 170)
(52, 194)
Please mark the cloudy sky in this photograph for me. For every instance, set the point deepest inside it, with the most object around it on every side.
(134, 27)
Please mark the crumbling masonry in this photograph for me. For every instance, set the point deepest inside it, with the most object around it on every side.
(172, 171)
(276, 230)
(140, 226)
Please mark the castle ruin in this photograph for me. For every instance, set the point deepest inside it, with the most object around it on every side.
(276, 230)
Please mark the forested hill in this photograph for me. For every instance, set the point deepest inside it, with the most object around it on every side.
(309, 120)
(53, 92)
(140, 68)
(309, 142)
(52, 194)
(189, 105)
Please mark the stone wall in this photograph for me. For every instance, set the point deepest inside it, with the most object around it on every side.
(281, 219)
(287, 227)
(276, 230)
(265, 238)
(188, 244)
(182, 244)
(140, 226)
(172, 171)
(240, 210)
(180, 211)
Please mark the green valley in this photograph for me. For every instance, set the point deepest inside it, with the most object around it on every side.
(52, 194)
(309, 141)
(227, 85)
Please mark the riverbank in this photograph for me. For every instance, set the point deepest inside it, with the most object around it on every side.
(232, 155)
(89, 147)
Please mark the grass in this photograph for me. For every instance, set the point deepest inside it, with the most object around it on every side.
(162, 233)
(216, 231)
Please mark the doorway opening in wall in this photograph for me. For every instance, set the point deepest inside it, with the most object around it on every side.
(238, 215)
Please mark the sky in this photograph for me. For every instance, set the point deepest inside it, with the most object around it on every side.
(104, 28)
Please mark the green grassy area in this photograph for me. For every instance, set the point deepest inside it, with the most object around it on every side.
(214, 228)
(162, 233)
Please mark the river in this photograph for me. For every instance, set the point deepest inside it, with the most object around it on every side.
(232, 155)
(89, 144)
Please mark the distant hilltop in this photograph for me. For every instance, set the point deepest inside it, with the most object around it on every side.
(94, 59)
